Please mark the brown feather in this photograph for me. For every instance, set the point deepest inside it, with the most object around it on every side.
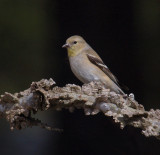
(100, 64)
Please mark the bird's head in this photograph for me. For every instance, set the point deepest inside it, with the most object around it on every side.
(74, 44)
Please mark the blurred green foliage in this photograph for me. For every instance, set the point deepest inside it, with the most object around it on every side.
(147, 27)
(23, 31)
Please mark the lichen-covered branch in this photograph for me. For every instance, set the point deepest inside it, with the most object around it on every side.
(92, 97)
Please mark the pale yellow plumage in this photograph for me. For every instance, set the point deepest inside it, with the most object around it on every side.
(87, 65)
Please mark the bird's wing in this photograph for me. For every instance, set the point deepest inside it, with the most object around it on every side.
(99, 63)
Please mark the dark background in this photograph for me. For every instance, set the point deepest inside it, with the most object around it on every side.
(126, 34)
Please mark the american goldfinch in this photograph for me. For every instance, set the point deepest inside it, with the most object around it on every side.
(87, 66)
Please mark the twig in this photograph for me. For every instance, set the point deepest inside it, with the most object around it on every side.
(92, 97)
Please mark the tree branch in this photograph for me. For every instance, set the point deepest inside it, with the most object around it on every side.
(92, 97)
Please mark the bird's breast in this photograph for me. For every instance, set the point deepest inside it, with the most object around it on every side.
(82, 69)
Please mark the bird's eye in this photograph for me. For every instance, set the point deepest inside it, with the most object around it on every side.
(75, 42)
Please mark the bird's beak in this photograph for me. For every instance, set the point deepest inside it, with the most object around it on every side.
(66, 45)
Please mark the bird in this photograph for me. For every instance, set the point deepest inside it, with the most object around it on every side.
(87, 65)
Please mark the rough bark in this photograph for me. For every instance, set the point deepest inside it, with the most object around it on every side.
(92, 97)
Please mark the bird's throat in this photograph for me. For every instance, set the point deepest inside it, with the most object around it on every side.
(71, 52)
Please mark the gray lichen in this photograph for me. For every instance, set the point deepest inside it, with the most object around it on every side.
(92, 98)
